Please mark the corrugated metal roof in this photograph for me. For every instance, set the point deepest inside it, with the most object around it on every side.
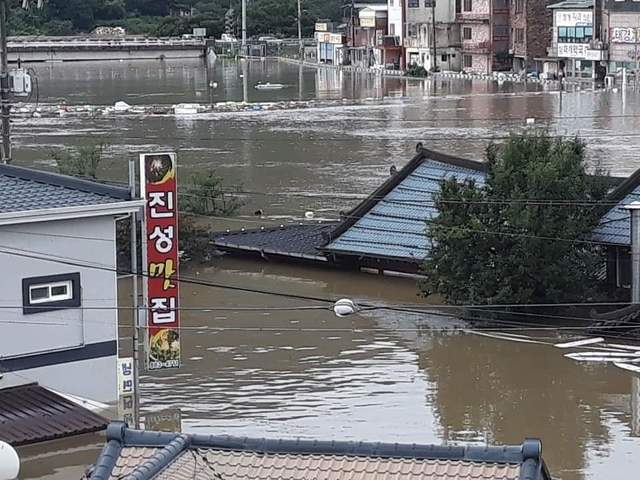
(213, 464)
(25, 189)
(31, 413)
(396, 225)
(615, 226)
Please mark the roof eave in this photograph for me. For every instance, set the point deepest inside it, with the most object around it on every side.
(69, 213)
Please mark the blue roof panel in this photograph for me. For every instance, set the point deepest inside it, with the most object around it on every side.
(396, 225)
(615, 226)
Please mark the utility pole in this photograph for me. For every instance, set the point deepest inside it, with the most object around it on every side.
(244, 27)
(300, 47)
(637, 72)
(5, 107)
(136, 309)
(433, 30)
(634, 209)
(353, 26)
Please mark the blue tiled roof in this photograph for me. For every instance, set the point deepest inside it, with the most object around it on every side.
(396, 225)
(24, 189)
(615, 226)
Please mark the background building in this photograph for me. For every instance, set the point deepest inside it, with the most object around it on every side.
(621, 29)
(531, 33)
(419, 39)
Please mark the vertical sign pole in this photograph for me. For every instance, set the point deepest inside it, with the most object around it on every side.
(5, 108)
(635, 254)
(136, 310)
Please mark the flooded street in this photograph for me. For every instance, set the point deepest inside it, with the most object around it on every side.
(379, 376)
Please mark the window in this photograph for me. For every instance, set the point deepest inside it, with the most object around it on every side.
(413, 3)
(467, 61)
(519, 35)
(467, 5)
(575, 34)
(392, 29)
(52, 292)
(519, 6)
(444, 58)
(466, 33)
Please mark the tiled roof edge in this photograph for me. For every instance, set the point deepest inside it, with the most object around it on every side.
(161, 459)
(65, 181)
(106, 461)
(529, 450)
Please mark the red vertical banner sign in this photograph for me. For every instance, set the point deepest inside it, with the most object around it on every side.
(158, 177)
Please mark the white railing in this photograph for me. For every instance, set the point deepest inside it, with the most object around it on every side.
(96, 42)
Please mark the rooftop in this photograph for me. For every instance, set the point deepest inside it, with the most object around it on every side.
(140, 455)
(25, 189)
(31, 413)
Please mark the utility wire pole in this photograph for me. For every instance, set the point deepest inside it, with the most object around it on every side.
(136, 308)
(433, 31)
(244, 27)
(634, 210)
(300, 47)
(5, 107)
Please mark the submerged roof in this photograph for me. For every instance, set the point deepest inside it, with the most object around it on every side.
(31, 413)
(393, 221)
(294, 241)
(24, 189)
(144, 455)
(615, 226)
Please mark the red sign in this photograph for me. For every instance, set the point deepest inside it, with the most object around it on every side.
(159, 189)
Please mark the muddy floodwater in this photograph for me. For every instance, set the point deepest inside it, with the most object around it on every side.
(379, 376)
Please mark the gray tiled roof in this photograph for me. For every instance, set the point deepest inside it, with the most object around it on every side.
(25, 189)
(146, 455)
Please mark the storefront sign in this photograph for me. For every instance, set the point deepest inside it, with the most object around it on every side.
(164, 421)
(574, 19)
(325, 37)
(125, 390)
(159, 189)
(368, 22)
(321, 27)
(572, 50)
(623, 35)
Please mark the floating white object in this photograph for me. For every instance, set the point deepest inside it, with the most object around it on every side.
(308, 215)
(344, 307)
(505, 336)
(270, 86)
(624, 347)
(186, 108)
(121, 106)
(603, 354)
(531, 121)
(627, 366)
(9, 462)
(580, 343)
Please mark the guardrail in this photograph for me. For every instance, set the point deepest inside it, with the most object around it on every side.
(104, 43)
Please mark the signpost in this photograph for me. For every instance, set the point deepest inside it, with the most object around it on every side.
(159, 189)
(126, 391)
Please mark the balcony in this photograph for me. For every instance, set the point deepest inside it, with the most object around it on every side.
(415, 42)
(476, 47)
(473, 17)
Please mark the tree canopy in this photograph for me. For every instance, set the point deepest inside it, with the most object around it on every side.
(522, 237)
(166, 17)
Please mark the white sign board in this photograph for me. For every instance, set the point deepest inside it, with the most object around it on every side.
(321, 27)
(325, 37)
(200, 32)
(575, 18)
(572, 50)
(623, 35)
(368, 22)
(125, 376)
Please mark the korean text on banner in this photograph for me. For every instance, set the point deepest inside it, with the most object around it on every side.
(159, 189)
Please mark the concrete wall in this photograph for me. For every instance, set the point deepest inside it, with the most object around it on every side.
(65, 331)
(54, 55)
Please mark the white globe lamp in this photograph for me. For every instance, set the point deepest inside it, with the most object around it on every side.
(9, 462)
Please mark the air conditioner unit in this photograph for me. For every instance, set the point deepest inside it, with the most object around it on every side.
(20, 82)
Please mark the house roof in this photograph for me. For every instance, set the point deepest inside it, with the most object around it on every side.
(31, 413)
(141, 455)
(572, 4)
(25, 189)
(293, 241)
(615, 226)
(392, 221)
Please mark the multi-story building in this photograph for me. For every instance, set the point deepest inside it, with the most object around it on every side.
(531, 33)
(575, 49)
(419, 43)
(485, 30)
(621, 29)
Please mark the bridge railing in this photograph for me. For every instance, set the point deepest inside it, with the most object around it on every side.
(95, 42)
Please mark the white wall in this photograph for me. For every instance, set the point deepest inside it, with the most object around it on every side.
(395, 18)
(83, 241)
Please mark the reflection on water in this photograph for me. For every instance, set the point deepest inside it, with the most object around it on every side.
(380, 376)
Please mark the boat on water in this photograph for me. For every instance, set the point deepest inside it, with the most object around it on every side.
(270, 86)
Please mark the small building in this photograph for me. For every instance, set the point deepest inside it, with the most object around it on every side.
(484, 26)
(621, 29)
(574, 51)
(329, 44)
(58, 261)
(145, 455)
(419, 41)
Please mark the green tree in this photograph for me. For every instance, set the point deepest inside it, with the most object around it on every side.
(207, 195)
(505, 241)
(81, 162)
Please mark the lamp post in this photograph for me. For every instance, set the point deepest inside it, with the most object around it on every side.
(212, 86)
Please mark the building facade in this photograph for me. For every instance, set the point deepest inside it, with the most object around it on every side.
(531, 33)
(419, 43)
(485, 28)
(621, 29)
(58, 260)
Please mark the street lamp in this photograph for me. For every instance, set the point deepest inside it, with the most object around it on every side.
(9, 462)
(212, 86)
